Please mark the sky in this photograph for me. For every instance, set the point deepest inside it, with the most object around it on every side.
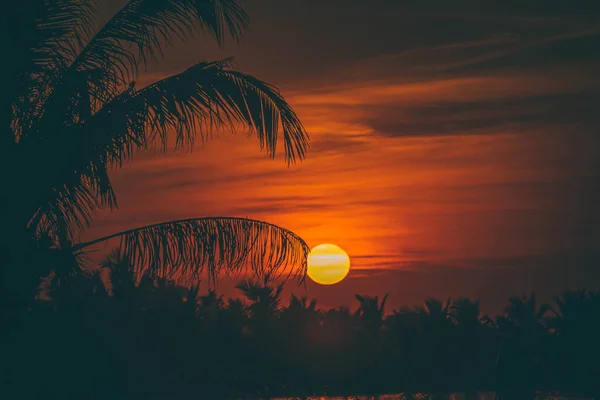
(455, 147)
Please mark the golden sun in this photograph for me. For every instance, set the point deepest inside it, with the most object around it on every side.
(328, 264)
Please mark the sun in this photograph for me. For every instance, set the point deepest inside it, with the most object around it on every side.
(328, 264)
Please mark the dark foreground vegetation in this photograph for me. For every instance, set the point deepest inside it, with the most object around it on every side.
(107, 336)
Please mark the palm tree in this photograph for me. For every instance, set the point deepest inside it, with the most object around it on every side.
(435, 345)
(575, 347)
(523, 315)
(369, 350)
(435, 311)
(71, 109)
(473, 347)
(265, 300)
(371, 311)
(574, 313)
(466, 314)
(266, 353)
(524, 331)
(301, 305)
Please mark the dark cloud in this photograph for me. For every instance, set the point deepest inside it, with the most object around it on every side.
(329, 142)
(347, 31)
(534, 53)
(574, 111)
(293, 41)
(582, 8)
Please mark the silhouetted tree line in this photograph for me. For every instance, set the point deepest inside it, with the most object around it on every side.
(109, 335)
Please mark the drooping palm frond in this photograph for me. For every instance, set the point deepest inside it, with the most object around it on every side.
(205, 97)
(187, 248)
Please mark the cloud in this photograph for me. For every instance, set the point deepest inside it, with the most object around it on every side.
(329, 142)
(523, 114)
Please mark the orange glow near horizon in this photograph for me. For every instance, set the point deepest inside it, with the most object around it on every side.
(421, 198)
(415, 176)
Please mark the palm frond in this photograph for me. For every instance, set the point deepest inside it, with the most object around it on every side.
(69, 208)
(193, 103)
(42, 38)
(265, 298)
(73, 191)
(187, 248)
(211, 95)
(45, 31)
(140, 30)
(136, 33)
(68, 25)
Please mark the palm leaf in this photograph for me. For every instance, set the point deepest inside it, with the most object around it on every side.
(136, 33)
(140, 30)
(67, 25)
(42, 37)
(185, 249)
(210, 95)
(41, 32)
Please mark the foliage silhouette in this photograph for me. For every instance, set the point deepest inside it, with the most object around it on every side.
(118, 336)
(71, 110)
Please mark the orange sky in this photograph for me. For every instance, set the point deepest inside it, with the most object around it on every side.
(443, 167)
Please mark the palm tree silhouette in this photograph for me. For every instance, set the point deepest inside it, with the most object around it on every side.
(301, 305)
(575, 341)
(435, 311)
(266, 354)
(71, 110)
(523, 329)
(435, 324)
(473, 347)
(371, 311)
(524, 315)
(573, 311)
(265, 300)
(466, 314)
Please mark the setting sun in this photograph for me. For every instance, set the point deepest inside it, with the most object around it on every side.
(328, 264)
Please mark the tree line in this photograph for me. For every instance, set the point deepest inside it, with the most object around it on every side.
(110, 335)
